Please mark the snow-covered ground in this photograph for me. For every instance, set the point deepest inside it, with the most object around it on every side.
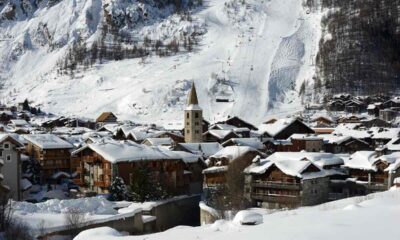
(255, 55)
(375, 216)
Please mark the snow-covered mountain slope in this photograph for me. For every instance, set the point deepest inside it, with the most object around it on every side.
(370, 217)
(250, 61)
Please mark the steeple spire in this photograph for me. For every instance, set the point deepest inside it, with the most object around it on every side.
(192, 98)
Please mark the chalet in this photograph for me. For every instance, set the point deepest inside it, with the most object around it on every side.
(381, 136)
(52, 153)
(336, 105)
(10, 155)
(371, 172)
(202, 149)
(353, 106)
(283, 128)
(277, 182)
(388, 115)
(239, 123)
(338, 143)
(104, 160)
(392, 103)
(373, 110)
(306, 142)
(351, 119)
(323, 130)
(106, 117)
(219, 136)
(322, 121)
(249, 142)
(239, 157)
(6, 116)
(375, 122)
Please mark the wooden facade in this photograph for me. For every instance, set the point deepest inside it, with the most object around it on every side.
(51, 160)
(96, 173)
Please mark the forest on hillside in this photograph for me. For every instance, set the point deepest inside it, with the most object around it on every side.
(360, 48)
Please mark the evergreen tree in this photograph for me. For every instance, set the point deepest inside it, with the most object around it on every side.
(118, 191)
(145, 188)
(25, 105)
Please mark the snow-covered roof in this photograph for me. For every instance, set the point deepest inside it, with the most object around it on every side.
(215, 169)
(349, 129)
(48, 141)
(366, 160)
(185, 156)
(394, 144)
(384, 133)
(371, 106)
(311, 137)
(276, 127)
(250, 142)
(220, 134)
(207, 149)
(321, 159)
(14, 136)
(233, 152)
(334, 138)
(19, 122)
(159, 141)
(290, 167)
(127, 151)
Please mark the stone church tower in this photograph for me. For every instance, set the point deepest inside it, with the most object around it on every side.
(193, 119)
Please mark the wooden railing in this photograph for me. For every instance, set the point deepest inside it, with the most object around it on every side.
(277, 185)
(276, 198)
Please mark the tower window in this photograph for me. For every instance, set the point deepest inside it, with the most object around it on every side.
(196, 115)
(187, 123)
(188, 131)
(187, 115)
(196, 123)
(197, 131)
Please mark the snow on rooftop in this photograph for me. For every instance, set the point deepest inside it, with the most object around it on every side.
(276, 127)
(207, 149)
(215, 169)
(220, 134)
(321, 159)
(125, 151)
(250, 142)
(394, 144)
(298, 136)
(160, 141)
(48, 141)
(19, 122)
(233, 152)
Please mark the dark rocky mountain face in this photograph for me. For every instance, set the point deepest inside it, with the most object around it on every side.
(362, 56)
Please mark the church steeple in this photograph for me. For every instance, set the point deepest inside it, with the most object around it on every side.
(193, 118)
(192, 98)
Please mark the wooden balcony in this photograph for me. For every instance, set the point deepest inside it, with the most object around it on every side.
(277, 185)
(107, 172)
(276, 198)
(89, 159)
(101, 183)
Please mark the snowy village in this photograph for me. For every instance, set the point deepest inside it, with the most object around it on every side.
(64, 175)
(199, 119)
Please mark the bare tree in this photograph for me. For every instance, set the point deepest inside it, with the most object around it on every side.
(74, 219)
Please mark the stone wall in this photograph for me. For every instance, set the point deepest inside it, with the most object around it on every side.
(315, 191)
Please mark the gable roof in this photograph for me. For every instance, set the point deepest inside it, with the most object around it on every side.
(103, 117)
(128, 151)
(205, 149)
(48, 141)
(276, 127)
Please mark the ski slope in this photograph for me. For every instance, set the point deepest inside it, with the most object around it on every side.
(250, 62)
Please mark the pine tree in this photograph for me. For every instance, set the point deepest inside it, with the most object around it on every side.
(145, 188)
(118, 191)
(25, 105)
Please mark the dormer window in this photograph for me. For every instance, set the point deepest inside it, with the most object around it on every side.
(6, 146)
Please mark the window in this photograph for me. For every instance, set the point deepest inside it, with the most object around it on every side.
(197, 131)
(187, 123)
(187, 115)
(6, 146)
(1, 152)
(196, 123)
(196, 115)
(188, 131)
(8, 158)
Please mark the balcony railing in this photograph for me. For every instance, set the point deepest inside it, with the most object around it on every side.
(277, 185)
(101, 183)
(276, 198)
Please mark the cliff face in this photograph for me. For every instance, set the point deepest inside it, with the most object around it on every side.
(359, 52)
